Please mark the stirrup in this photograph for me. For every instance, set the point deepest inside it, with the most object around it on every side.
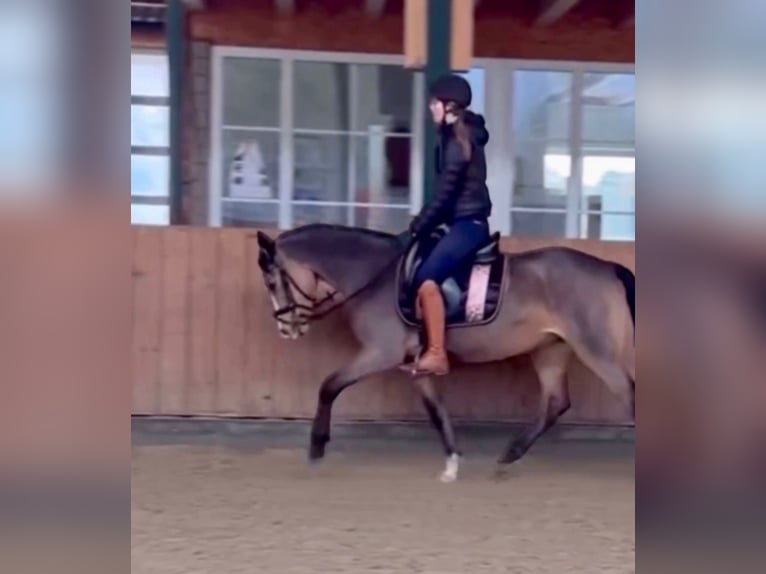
(411, 368)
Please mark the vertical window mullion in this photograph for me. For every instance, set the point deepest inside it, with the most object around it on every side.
(215, 160)
(574, 185)
(499, 110)
(353, 113)
(417, 136)
(286, 139)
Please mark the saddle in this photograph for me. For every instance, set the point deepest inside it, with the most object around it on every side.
(472, 296)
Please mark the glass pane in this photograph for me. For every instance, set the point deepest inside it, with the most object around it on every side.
(382, 173)
(149, 214)
(149, 75)
(384, 98)
(149, 175)
(609, 226)
(354, 169)
(149, 126)
(322, 96)
(541, 177)
(251, 92)
(321, 167)
(542, 165)
(241, 214)
(475, 77)
(387, 219)
(538, 224)
(609, 106)
(541, 101)
(609, 184)
(250, 164)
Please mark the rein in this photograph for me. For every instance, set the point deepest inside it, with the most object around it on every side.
(313, 314)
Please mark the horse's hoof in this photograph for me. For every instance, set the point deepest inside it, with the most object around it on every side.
(502, 471)
(316, 453)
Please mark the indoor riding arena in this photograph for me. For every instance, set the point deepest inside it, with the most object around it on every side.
(266, 115)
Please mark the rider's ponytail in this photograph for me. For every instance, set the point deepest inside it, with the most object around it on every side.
(463, 136)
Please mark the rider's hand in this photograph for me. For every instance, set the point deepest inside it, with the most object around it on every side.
(414, 226)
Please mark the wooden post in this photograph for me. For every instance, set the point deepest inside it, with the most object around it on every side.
(415, 33)
(461, 42)
(439, 16)
(174, 29)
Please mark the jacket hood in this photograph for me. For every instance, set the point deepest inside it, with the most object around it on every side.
(477, 125)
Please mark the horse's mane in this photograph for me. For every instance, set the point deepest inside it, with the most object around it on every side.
(347, 255)
(339, 229)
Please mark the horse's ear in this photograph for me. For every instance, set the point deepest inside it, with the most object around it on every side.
(266, 243)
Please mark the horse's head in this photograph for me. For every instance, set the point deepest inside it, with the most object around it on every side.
(295, 289)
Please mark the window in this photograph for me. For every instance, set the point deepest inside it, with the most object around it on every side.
(577, 183)
(352, 144)
(251, 143)
(149, 139)
(542, 160)
(335, 149)
(607, 204)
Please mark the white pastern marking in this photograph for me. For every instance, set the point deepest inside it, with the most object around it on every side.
(451, 468)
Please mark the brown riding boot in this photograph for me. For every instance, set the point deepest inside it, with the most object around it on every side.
(434, 361)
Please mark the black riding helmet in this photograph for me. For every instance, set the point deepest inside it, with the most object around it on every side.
(451, 88)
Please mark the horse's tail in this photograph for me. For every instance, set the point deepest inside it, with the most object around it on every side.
(628, 280)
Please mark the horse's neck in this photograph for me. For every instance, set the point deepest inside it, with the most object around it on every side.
(350, 274)
(346, 259)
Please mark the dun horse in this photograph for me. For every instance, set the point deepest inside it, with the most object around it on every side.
(551, 302)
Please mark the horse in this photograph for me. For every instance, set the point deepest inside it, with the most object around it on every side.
(552, 302)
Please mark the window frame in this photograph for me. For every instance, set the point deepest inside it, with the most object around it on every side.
(151, 151)
(578, 148)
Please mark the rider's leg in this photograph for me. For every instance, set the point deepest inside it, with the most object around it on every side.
(463, 239)
(434, 361)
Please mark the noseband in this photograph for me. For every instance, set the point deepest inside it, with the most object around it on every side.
(292, 305)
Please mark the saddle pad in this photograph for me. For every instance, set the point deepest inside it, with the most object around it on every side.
(476, 300)
(472, 300)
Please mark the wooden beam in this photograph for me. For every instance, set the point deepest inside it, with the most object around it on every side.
(174, 31)
(461, 43)
(415, 33)
(374, 8)
(553, 10)
(285, 6)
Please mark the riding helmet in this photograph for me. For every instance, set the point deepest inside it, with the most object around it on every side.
(452, 88)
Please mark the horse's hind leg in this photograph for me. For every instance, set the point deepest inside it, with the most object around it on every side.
(551, 365)
(441, 422)
(618, 377)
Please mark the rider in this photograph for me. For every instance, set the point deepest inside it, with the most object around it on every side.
(461, 201)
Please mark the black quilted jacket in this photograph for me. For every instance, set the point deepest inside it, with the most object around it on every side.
(461, 185)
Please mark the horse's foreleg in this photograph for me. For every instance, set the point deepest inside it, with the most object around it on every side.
(551, 364)
(366, 363)
(441, 422)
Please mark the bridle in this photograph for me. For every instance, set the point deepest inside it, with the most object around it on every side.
(292, 305)
(311, 312)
